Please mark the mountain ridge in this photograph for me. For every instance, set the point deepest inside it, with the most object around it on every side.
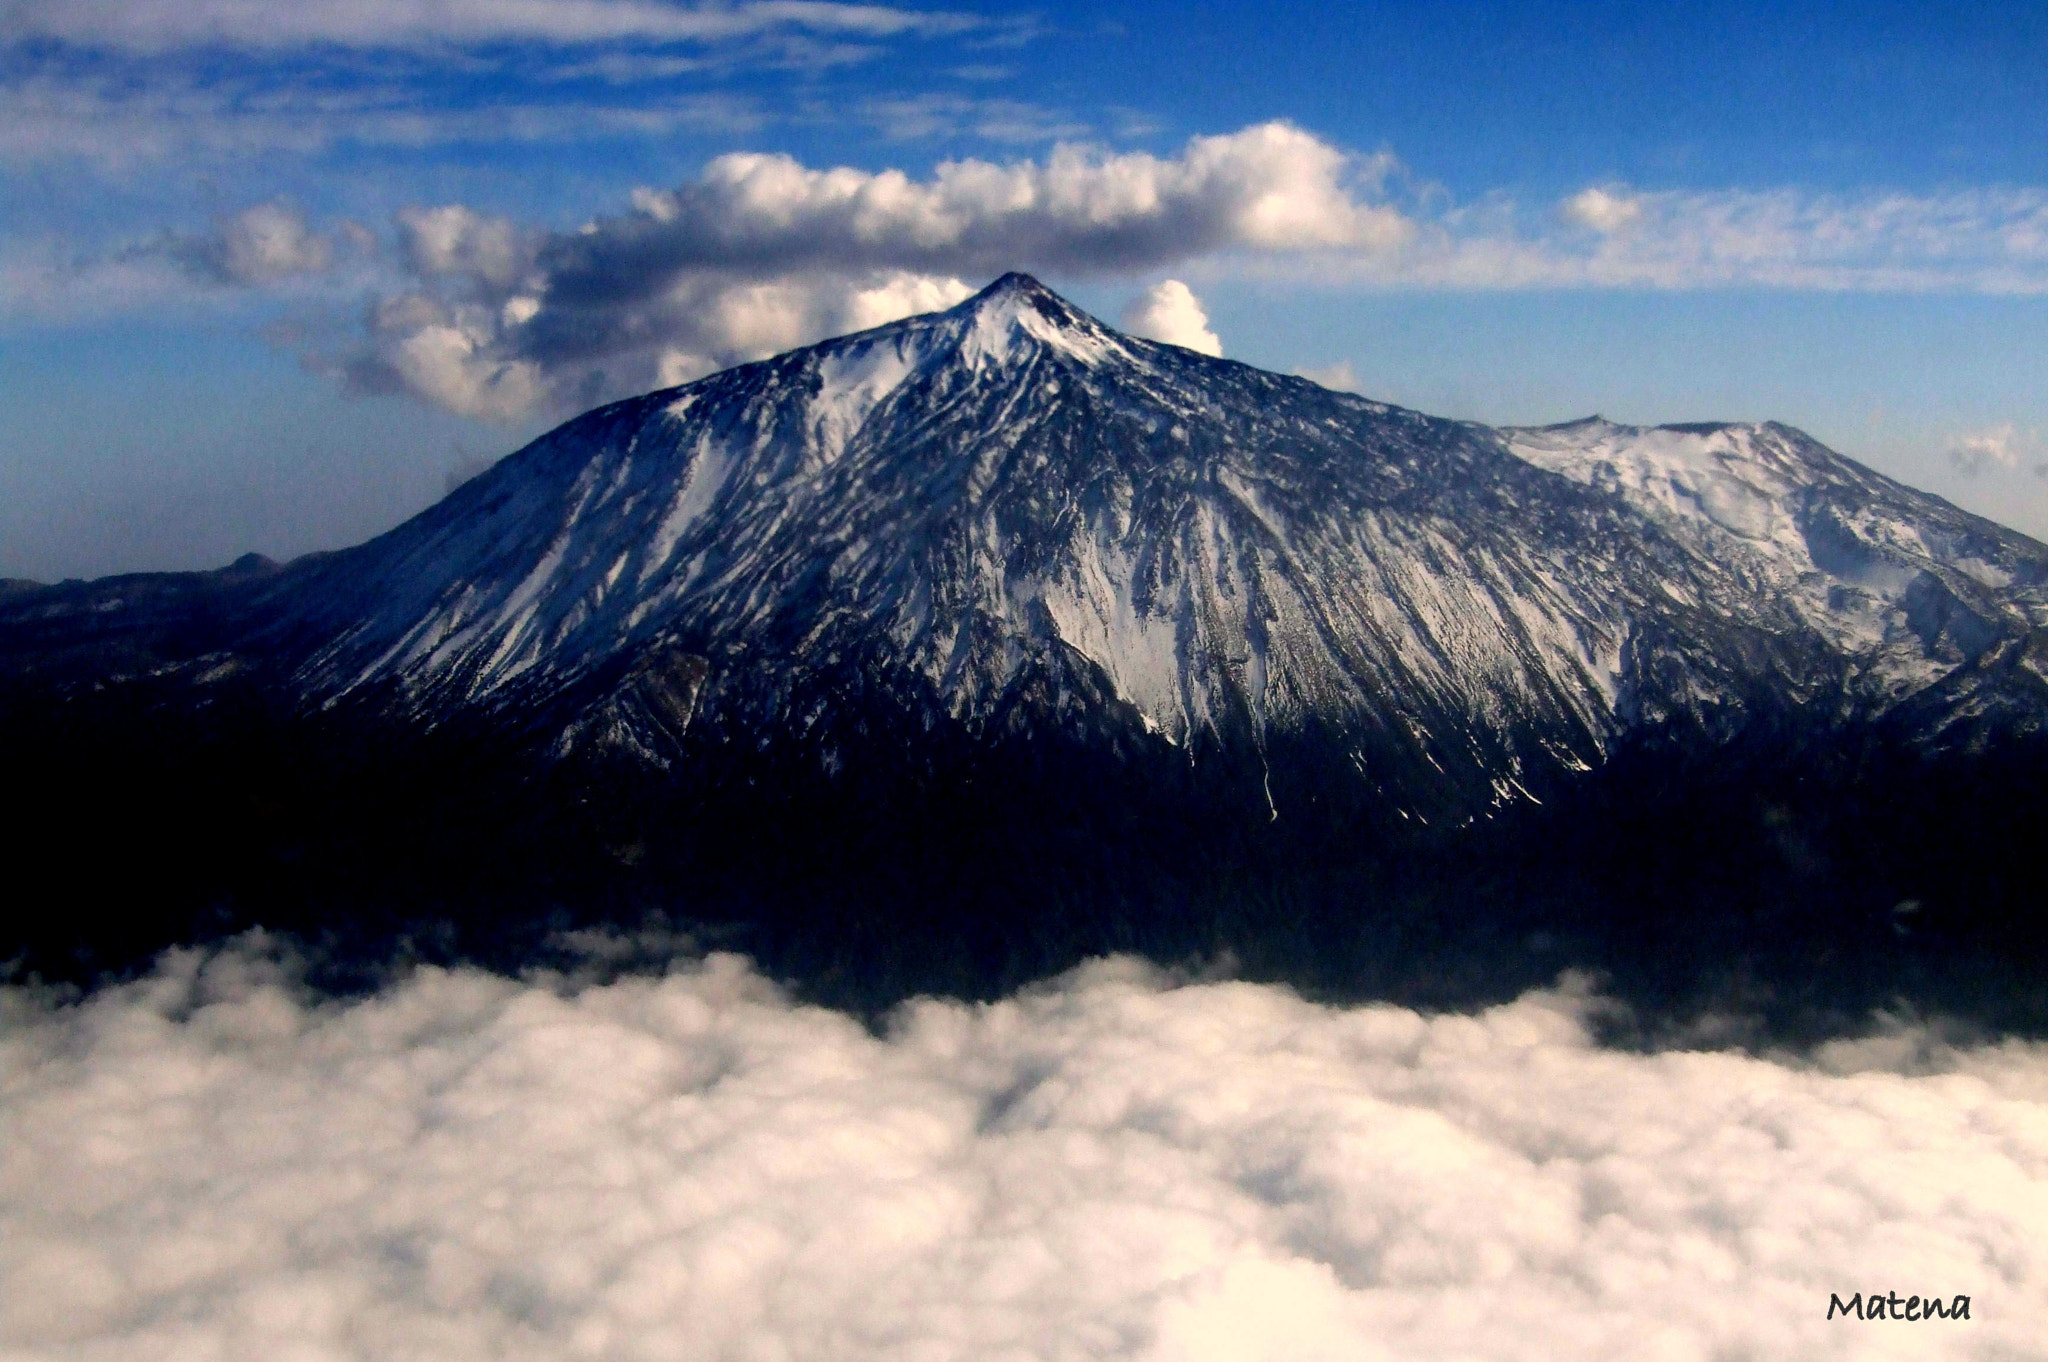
(1009, 495)
(934, 656)
(1070, 527)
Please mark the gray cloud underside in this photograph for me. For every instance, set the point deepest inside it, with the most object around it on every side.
(209, 1164)
(1270, 186)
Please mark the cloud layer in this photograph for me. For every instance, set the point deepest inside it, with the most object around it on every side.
(210, 1163)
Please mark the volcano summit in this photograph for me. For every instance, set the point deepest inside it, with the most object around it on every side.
(999, 626)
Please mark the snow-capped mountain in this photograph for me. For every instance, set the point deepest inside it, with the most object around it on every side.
(940, 656)
(1008, 518)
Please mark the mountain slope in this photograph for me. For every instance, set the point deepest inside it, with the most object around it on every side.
(1009, 518)
(939, 655)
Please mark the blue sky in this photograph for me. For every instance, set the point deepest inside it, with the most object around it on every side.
(272, 275)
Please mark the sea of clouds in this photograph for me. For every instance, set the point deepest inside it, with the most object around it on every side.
(216, 1162)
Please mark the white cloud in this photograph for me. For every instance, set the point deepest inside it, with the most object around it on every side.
(1338, 377)
(1170, 312)
(1985, 241)
(268, 250)
(470, 354)
(445, 355)
(47, 279)
(456, 240)
(1271, 187)
(1602, 210)
(271, 241)
(264, 245)
(152, 26)
(209, 1163)
(912, 117)
(117, 123)
(762, 253)
(2003, 446)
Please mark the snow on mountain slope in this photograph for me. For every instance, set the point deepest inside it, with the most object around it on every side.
(1008, 508)
(1906, 587)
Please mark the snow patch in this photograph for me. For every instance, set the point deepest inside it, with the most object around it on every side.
(1002, 331)
(851, 383)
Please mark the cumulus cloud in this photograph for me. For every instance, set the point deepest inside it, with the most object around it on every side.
(762, 253)
(1272, 187)
(267, 246)
(448, 355)
(212, 1163)
(483, 352)
(152, 26)
(265, 243)
(1170, 312)
(454, 240)
(2003, 446)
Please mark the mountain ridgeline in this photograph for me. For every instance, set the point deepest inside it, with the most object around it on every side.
(936, 656)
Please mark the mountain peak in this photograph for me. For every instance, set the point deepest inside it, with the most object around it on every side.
(1018, 295)
(1014, 285)
(1009, 500)
(1016, 307)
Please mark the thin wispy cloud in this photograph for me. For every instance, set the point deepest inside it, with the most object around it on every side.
(1992, 241)
(1986, 241)
(270, 253)
(177, 118)
(117, 84)
(212, 1162)
(158, 26)
(916, 117)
